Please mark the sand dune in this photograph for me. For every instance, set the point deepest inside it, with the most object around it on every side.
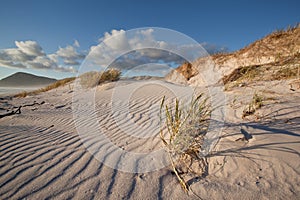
(43, 155)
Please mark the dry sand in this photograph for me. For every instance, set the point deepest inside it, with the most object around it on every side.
(42, 156)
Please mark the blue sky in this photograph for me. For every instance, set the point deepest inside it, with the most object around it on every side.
(72, 26)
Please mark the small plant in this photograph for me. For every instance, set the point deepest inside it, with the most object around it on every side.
(110, 75)
(93, 78)
(256, 103)
(90, 79)
(184, 136)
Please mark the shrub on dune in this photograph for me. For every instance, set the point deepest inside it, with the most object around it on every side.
(90, 79)
(93, 78)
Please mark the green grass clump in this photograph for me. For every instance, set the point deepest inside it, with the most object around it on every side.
(93, 78)
(184, 137)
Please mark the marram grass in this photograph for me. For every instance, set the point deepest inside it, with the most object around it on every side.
(182, 133)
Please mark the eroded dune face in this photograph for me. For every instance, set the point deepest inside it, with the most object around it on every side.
(278, 49)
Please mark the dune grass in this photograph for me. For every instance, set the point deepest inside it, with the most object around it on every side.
(274, 57)
(281, 70)
(54, 85)
(93, 78)
(186, 128)
(254, 105)
(87, 80)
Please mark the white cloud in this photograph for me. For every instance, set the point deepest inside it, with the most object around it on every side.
(127, 50)
(140, 47)
(149, 69)
(113, 44)
(14, 55)
(65, 69)
(147, 46)
(29, 54)
(69, 54)
(42, 62)
(8, 63)
(30, 48)
(53, 57)
(116, 41)
(76, 44)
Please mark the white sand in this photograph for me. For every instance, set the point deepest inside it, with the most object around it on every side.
(42, 155)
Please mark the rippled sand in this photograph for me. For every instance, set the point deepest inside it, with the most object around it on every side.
(44, 156)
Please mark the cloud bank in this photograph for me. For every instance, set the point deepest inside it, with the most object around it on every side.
(135, 45)
(29, 54)
(141, 46)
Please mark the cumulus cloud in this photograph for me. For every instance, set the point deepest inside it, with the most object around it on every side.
(53, 57)
(145, 56)
(118, 48)
(149, 69)
(116, 41)
(15, 55)
(29, 54)
(138, 47)
(42, 62)
(30, 48)
(76, 44)
(69, 54)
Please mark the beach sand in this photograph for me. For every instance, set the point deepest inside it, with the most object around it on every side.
(42, 155)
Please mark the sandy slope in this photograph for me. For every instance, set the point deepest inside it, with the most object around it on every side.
(42, 155)
(267, 165)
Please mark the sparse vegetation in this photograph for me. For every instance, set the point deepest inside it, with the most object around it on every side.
(286, 68)
(93, 78)
(281, 31)
(47, 88)
(89, 79)
(285, 73)
(21, 94)
(184, 137)
(57, 84)
(273, 57)
(245, 73)
(256, 103)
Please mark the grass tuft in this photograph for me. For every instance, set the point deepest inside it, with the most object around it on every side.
(182, 133)
(54, 85)
(21, 94)
(93, 78)
(254, 105)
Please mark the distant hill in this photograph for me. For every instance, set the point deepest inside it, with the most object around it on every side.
(21, 79)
